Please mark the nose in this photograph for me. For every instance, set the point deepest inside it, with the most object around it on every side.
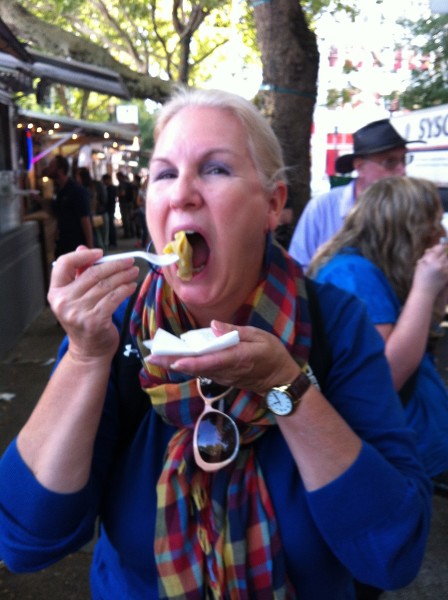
(184, 192)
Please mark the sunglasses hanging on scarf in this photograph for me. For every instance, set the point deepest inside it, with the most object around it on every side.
(216, 439)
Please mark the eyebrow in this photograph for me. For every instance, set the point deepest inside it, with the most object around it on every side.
(206, 154)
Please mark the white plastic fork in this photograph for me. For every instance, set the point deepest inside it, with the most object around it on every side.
(161, 260)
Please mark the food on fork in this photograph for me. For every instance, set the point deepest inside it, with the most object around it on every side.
(182, 248)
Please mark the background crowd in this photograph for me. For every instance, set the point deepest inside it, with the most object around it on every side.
(87, 209)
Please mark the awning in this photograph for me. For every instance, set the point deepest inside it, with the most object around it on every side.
(76, 74)
(19, 74)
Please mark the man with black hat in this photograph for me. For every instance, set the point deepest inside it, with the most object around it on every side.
(378, 152)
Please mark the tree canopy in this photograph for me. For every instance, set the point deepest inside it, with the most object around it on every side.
(428, 86)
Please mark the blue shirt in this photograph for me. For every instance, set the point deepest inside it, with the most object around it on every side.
(427, 409)
(322, 217)
(370, 523)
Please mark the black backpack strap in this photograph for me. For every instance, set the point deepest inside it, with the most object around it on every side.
(133, 402)
(320, 358)
(124, 329)
(407, 389)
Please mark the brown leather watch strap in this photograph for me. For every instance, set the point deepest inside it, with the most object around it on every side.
(299, 386)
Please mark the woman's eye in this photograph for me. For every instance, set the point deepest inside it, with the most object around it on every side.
(215, 169)
(165, 174)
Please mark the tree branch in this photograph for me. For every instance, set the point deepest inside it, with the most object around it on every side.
(115, 25)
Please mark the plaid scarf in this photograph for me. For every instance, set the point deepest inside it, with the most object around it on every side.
(216, 533)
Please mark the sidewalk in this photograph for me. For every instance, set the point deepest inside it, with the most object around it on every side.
(23, 374)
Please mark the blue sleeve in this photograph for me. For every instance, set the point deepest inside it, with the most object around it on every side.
(321, 219)
(355, 274)
(375, 517)
(318, 222)
(39, 527)
(383, 518)
(383, 501)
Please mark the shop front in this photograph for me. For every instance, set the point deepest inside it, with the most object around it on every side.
(22, 295)
(27, 142)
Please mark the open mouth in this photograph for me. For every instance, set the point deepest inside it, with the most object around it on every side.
(193, 252)
(201, 251)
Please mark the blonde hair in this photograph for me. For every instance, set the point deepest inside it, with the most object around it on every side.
(263, 145)
(391, 224)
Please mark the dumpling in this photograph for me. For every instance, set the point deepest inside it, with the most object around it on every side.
(182, 248)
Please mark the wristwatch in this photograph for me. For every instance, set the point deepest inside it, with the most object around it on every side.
(283, 400)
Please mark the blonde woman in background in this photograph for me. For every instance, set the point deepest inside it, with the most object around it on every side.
(389, 254)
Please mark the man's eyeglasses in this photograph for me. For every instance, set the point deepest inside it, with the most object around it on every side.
(390, 164)
(216, 439)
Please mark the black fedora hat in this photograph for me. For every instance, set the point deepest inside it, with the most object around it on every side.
(377, 136)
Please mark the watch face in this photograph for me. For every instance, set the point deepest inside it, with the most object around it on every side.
(279, 402)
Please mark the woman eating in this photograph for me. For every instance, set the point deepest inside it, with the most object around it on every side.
(245, 477)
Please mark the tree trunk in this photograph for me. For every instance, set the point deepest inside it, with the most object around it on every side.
(287, 97)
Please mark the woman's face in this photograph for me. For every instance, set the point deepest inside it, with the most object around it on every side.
(438, 230)
(202, 180)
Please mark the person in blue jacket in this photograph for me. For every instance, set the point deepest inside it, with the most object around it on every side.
(243, 478)
(391, 253)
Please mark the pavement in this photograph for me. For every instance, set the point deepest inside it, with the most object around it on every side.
(23, 374)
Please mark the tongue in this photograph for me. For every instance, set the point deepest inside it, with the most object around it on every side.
(200, 251)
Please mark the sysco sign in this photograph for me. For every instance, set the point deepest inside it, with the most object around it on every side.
(429, 125)
(433, 127)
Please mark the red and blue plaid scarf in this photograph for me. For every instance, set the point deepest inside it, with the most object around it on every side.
(216, 533)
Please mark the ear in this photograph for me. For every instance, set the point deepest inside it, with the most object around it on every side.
(358, 163)
(277, 201)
